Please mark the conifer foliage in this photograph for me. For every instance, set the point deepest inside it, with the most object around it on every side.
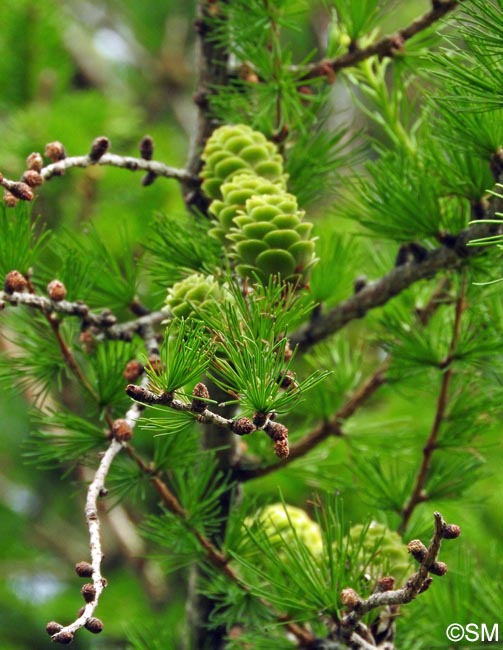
(264, 371)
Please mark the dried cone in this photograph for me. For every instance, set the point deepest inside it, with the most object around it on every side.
(53, 627)
(14, 282)
(236, 149)
(94, 625)
(56, 290)
(121, 430)
(270, 238)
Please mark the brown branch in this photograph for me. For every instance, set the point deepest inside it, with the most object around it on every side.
(105, 321)
(332, 427)
(418, 495)
(240, 426)
(386, 47)
(211, 64)
(419, 582)
(378, 293)
(123, 162)
(96, 489)
(212, 553)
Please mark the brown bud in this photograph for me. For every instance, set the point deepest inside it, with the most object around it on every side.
(84, 569)
(417, 549)
(56, 290)
(108, 319)
(426, 584)
(55, 151)
(155, 365)
(9, 199)
(438, 568)
(63, 637)
(450, 531)
(287, 380)
(243, 426)
(359, 283)
(53, 628)
(121, 430)
(350, 599)
(21, 191)
(277, 431)
(103, 492)
(327, 71)
(99, 147)
(32, 178)
(81, 612)
(132, 370)
(200, 395)
(281, 448)
(146, 147)
(35, 162)
(259, 419)
(87, 341)
(15, 281)
(148, 179)
(88, 591)
(386, 583)
(94, 625)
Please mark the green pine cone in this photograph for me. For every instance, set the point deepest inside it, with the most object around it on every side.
(234, 149)
(235, 193)
(270, 238)
(280, 521)
(194, 294)
(388, 552)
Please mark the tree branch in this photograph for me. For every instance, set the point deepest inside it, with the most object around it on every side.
(240, 426)
(332, 427)
(105, 322)
(397, 280)
(386, 47)
(211, 64)
(419, 582)
(417, 495)
(92, 592)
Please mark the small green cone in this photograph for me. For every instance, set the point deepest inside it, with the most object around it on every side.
(234, 149)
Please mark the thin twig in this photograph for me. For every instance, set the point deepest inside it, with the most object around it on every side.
(332, 427)
(212, 553)
(104, 321)
(416, 584)
(418, 496)
(386, 47)
(94, 492)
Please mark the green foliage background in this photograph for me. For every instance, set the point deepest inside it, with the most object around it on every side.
(122, 69)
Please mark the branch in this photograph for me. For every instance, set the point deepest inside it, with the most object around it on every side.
(386, 47)
(122, 431)
(419, 582)
(105, 321)
(400, 278)
(212, 61)
(418, 495)
(332, 427)
(240, 426)
(216, 558)
(98, 155)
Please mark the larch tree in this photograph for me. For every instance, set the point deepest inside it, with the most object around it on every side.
(258, 351)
